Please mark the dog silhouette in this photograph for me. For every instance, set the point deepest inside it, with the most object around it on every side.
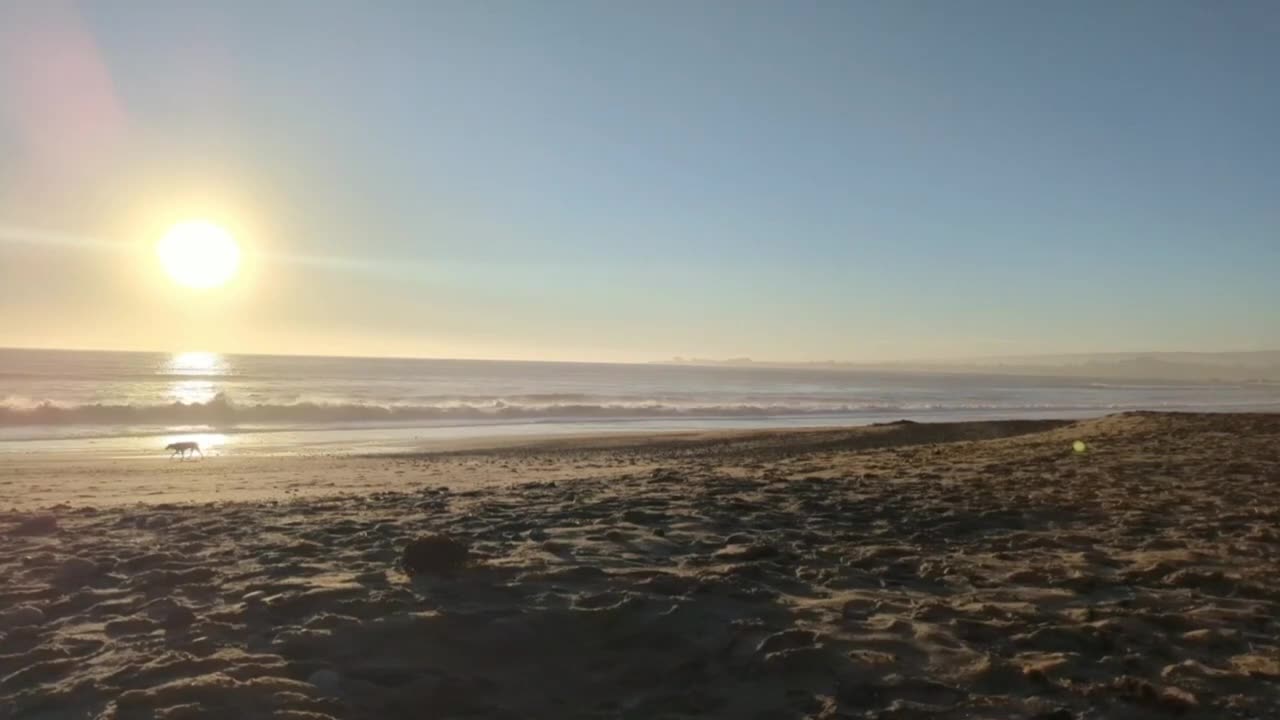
(182, 448)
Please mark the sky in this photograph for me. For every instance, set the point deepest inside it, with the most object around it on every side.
(632, 181)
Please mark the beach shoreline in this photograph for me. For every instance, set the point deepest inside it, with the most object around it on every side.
(97, 476)
(902, 570)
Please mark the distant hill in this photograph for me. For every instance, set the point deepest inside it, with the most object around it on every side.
(1235, 367)
(1189, 367)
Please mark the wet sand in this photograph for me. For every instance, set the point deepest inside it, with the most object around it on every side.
(905, 571)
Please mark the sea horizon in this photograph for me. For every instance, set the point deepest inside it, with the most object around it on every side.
(133, 400)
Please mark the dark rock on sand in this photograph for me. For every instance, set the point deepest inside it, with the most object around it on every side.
(36, 525)
(180, 616)
(327, 682)
(23, 616)
(434, 555)
(76, 571)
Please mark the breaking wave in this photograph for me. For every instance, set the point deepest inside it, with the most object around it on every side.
(221, 411)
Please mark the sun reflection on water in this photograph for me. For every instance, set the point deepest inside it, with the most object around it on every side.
(192, 391)
(196, 363)
(193, 367)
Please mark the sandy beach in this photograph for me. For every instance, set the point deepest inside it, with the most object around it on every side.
(964, 570)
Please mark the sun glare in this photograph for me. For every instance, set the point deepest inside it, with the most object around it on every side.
(199, 254)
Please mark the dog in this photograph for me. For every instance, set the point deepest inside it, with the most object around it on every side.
(182, 448)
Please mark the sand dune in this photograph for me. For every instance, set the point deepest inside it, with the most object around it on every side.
(903, 571)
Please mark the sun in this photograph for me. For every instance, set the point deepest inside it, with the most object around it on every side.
(199, 254)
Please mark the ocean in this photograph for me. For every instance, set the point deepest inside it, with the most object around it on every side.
(135, 402)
